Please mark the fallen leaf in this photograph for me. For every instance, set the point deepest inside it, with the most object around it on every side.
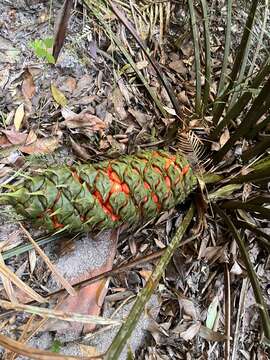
(212, 313)
(188, 308)
(79, 150)
(224, 137)
(84, 120)
(14, 138)
(178, 66)
(41, 146)
(210, 335)
(18, 118)
(142, 119)
(169, 110)
(58, 96)
(145, 274)
(118, 103)
(28, 85)
(191, 331)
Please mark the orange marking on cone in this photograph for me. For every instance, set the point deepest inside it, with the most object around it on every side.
(157, 169)
(125, 188)
(168, 182)
(56, 224)
(114, 177)
(116, 188)
(155, 198)
(146, 185)
(168, 163)
(98, 196)
(115, 217)
(185, 169)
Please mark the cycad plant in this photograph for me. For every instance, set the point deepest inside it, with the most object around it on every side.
(231, 176)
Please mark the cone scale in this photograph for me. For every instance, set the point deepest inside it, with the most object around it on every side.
(93, 197)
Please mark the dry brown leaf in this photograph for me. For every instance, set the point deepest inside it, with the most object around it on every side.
(79, 150)
(14, 138)
(28, 85)
(144, 120)
(178, 66)
(191, 331)
(41, 146)
(210, 335)
(118, 103)
(85, 120)
(224, 137)
(188, 308)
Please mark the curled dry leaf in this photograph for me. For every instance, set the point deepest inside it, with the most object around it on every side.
(41, 146)
(28, 85)
(85, 120)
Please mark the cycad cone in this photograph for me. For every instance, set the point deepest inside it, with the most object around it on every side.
(104, 195)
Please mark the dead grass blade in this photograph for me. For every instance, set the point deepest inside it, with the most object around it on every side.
(33, 353)
(260, 40)
(227, 283)
(61, 28)
(58, 314)
(8, 285)
(6, 272)
(243, 293)
(47, 261)
(126, 329)
(262, 237)
(265, 319)
(222, 80)
(96, 12)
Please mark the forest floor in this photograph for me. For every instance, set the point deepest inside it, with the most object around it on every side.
(89, 107)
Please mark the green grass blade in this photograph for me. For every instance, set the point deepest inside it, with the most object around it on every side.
(239, 106)
(251, 273)
(222, 102)
(258, 109)
(195, 37)
(207, 54)
(126, 329)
